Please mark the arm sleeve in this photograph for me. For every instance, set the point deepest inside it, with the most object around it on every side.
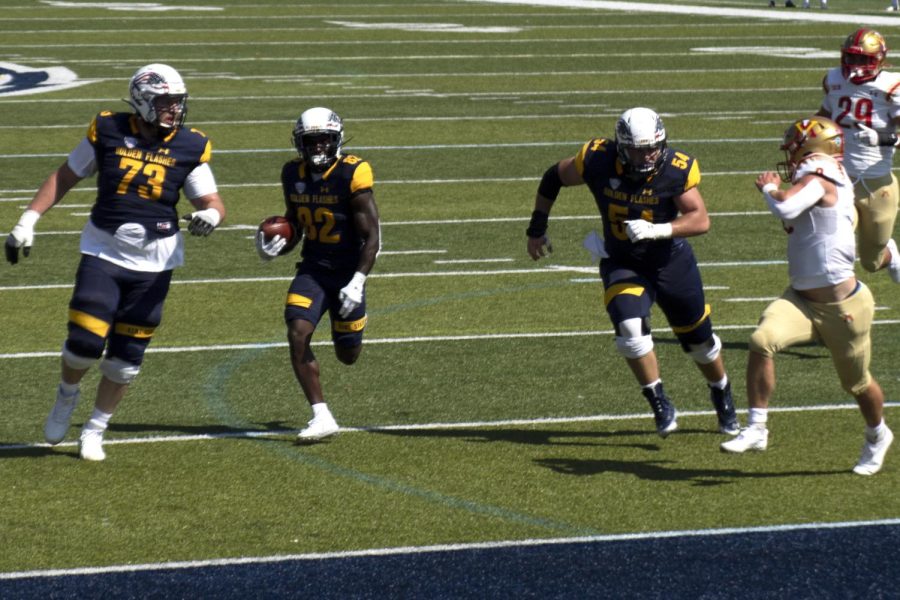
(82, 159)
(200, 182)
(794, 206)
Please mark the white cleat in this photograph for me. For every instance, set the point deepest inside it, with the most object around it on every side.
(754, 437)
(60, 416)
(894, 265)
(873, 454)
(91, 445)
(318, 428)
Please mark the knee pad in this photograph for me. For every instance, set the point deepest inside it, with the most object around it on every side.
(635, 347)
(706, 352)
(119, 371)
(632, 342)
(76, 361)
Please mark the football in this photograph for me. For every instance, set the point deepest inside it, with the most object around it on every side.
(277, 226)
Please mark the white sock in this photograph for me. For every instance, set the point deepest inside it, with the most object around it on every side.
(98, 421)
(720, 385)
(320, 409)
(758, 416)
(652, 385)
(873, 434)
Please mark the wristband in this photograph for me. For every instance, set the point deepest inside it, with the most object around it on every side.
(537, 227)
(769, 188)
(29, 218)
(213, 215)
(550, 184)
(888, 139)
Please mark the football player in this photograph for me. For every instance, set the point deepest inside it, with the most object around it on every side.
(649, 203)
(329, 200)
(824, 301)
(130, 244)
(864, 100)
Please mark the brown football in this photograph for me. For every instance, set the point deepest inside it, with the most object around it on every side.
(277, 226)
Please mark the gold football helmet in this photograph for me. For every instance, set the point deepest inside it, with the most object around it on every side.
(862, 55)
(815, 135)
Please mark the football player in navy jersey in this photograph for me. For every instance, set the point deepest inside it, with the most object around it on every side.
(129, 245)
(649, 202)
(329, 200)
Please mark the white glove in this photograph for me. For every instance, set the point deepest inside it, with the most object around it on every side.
(640, 230)
(866, 135)
(351, 295)
(21, 236)
(202, 222)
(269, 250)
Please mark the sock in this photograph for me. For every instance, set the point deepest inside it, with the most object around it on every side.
(651, 385)
(69, 389)
(719, 385)
(654, 389)
(873, 434)
(758, 416)
(320, 409)
(98, 421)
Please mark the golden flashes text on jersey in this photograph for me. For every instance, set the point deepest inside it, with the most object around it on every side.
(147, 157)
(620, 196)
(314, 199)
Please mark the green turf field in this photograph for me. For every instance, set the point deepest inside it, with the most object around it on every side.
(490, 402)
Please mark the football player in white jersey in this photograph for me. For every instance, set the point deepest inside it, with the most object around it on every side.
(824, 301)
(864, 100)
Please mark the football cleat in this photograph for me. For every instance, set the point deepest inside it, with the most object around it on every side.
(90, 446)
(754, 437)
(725, 412)
(60, 416)
(663, 410)
(894, 265)
(872, 457)
(318, 428)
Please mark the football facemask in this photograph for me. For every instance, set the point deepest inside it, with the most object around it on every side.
(159, 96)
(318, 137)
(862, 56)
(640, 141)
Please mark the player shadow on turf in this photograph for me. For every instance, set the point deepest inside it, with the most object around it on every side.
(661, 471)
(795, 351)
(529, 437)
(217, 429)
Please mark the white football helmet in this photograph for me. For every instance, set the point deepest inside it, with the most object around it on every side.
(640, 141)
(318, 137)
(155, 81)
